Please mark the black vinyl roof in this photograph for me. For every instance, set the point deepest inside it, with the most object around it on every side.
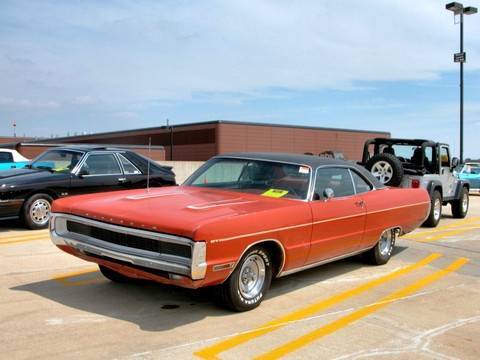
(309, 160)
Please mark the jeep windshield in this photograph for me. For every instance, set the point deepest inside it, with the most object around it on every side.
(274, 179)
(57, 160)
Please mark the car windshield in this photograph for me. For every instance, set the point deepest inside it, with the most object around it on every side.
(57, 160)
(273, 179)
(473, 169)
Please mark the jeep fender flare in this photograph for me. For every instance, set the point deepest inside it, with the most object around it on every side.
(432, 186)
(460, 185)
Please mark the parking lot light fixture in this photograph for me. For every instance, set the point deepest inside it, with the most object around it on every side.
(459, 9)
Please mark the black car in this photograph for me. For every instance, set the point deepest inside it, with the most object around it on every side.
(27, 193)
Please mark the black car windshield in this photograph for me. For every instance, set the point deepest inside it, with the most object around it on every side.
(57, 160)
(273, 179)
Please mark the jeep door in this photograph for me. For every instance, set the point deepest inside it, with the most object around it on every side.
(446, 175)
(339, 221)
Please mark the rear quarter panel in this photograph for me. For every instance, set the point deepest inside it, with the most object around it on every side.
(394, 207)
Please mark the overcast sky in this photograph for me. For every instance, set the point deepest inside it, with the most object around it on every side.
(91, 66)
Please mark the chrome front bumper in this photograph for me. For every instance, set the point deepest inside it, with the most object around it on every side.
(194, 267)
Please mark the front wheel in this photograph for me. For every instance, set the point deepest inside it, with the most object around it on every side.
(382, 251)
(36, 211)
(247, 285)
(435, 210)
(460, 206)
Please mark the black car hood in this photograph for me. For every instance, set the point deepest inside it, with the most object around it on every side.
(25, 176)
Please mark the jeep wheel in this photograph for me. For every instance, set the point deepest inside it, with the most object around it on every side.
(435, 210)
(246, 287)
(460, 206)
(386, 168)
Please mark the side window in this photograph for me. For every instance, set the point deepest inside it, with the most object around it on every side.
(101, 164)
(5, 157)
(128, 167)
(444, 157)
(360, 184)
(337, 179)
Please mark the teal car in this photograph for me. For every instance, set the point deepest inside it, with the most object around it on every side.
(11, 159)
(471, 172)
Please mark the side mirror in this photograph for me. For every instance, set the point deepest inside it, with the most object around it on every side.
(328, 193)
(455, 162)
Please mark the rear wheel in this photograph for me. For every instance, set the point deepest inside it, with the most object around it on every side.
(460, 206)
(247, 285)
(435, 210)
(36, 211)
(382, 251)
(112, 275)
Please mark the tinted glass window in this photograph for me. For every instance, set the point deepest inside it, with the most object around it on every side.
(128, 167)
(444, 156)
(6, 157)
(337, 179)
(265, 178)
(101, 164)
(57, 160)
(360, 184)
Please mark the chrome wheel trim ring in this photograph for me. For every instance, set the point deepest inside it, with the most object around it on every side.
(40, 211)
(437, 209)
(385, 243)
(465, 202)
(383, 171)
(252, 276)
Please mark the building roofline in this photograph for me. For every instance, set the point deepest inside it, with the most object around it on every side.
(212, 122)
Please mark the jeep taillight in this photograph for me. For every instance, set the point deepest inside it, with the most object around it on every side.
(415, 183)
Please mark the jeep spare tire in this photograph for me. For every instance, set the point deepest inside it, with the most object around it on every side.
(386, 168)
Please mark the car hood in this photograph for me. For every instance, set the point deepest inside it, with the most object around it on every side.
(468, 176)
(24, 176)
(182, 210)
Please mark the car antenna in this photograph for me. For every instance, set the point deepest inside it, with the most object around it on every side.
(148, 163)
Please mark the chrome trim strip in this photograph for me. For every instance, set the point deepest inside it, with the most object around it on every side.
(312, 265)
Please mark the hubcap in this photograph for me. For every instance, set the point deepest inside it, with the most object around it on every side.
(465, 203)
(252, 276)
(437, 209)
(385, 243)
(383, 171)
(40, 211)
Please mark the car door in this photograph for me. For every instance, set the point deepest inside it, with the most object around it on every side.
(132, 178)
(448, 180)
(338, 221)
(100, 171)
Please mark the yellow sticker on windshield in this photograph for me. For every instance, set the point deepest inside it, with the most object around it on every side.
(275, 193)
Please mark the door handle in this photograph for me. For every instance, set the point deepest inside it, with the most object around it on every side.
(360, 203)
(122, 180)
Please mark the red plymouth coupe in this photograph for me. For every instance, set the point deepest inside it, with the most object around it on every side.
(239, 221)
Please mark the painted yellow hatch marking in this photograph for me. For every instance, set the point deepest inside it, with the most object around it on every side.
(211, 352)
(361, 313)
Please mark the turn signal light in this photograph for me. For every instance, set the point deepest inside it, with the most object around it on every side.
(415, 183)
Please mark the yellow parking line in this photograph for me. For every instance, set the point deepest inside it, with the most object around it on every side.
(444, 227)
(66, 279)
(65, 276)
(23, 240)
(448, 233)
(356, 315)
(211, 352)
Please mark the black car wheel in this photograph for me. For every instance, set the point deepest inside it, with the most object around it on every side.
(435, 210)
(382, 251)
(387, 168)
(460, 206)
(247, 285)
(36, 211)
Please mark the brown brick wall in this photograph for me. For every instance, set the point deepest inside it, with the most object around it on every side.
(233, 138)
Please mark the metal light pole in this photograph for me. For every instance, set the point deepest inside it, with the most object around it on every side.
(459, 9)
